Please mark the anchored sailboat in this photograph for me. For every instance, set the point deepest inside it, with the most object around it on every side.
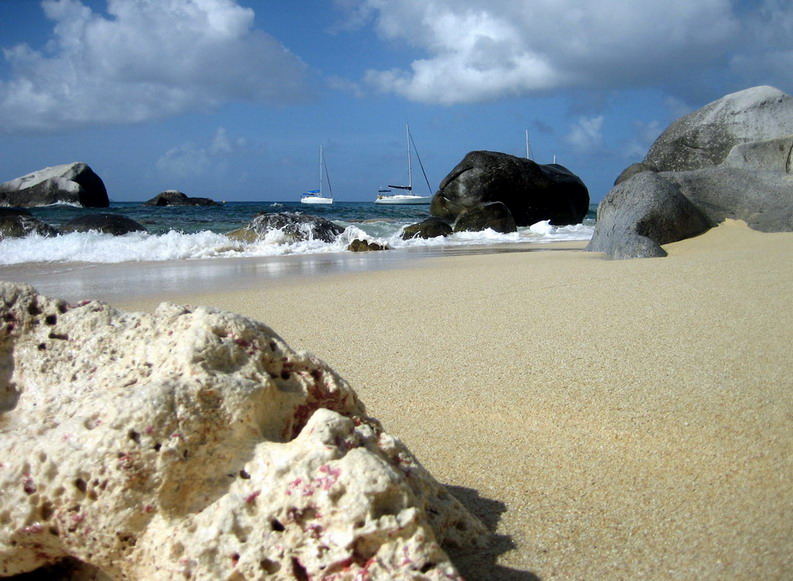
(316, 196)
(386, 195)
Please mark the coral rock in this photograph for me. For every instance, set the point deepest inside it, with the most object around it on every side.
(195, 443)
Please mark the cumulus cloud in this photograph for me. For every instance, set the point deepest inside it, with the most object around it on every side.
(475, 50)
(145, 59)
(193, 160)
(586, 134)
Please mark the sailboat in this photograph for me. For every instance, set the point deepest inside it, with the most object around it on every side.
(316, 196)
(386, 195)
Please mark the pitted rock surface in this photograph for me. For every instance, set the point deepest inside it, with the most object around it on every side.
(194, 443)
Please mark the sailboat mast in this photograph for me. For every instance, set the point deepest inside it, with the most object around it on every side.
(528, 147)
(320, 170)
(410, 166)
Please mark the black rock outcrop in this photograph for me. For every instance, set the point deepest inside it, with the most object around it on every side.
(114, 224)
(18, 223)
(176, 198)
(429, 228)
(493, 215)
(532, 192)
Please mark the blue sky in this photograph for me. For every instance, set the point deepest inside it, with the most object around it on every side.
(231, 99)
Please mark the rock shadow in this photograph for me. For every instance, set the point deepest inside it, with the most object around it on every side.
(476, 564)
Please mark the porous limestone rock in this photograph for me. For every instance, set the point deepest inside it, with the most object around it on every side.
(194, 443)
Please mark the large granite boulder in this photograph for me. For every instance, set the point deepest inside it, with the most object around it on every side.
(18, 223)
(193, 443)
(430, 228)
(730, 159)
(73, 183)
(491, 215)
(705, 137)
(532, 192)
(642, 213)
(114, 224)
(177, 198)
(290, 227)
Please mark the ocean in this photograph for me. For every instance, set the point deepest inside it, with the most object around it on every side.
(195, 232)
(186, 247)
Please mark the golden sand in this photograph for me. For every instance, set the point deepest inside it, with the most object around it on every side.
(606, 419)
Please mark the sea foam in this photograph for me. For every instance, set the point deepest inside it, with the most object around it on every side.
(173, 245)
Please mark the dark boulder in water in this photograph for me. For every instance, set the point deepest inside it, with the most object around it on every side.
(71, 183)
(359, 245)
(18, 223)
(114, 224)
(177, 198)
(493, 215)
(429, 228)
(532, 192)
(295, 228)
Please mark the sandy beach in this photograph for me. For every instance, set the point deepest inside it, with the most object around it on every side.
(605, 419)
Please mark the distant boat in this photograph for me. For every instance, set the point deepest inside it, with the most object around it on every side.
(386, 195)
(316, 196)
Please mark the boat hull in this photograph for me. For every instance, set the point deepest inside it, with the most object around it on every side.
(402, 200)
(316, 200)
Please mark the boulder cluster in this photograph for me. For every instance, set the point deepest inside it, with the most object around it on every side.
(194, 443)
(730, 159)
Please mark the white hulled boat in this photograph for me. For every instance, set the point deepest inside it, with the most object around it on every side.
(316, 196)
(387, 195)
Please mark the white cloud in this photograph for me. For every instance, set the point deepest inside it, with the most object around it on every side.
(146, 59)
(476, 50)
(586, 134)
(190, 160)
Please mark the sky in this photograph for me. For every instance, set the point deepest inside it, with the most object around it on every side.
(232, 99)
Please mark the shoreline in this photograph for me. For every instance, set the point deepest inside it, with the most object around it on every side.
(605, 419)
(119, 282)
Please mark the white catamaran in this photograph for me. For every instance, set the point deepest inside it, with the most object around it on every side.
(386, 195)
(316, 196)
